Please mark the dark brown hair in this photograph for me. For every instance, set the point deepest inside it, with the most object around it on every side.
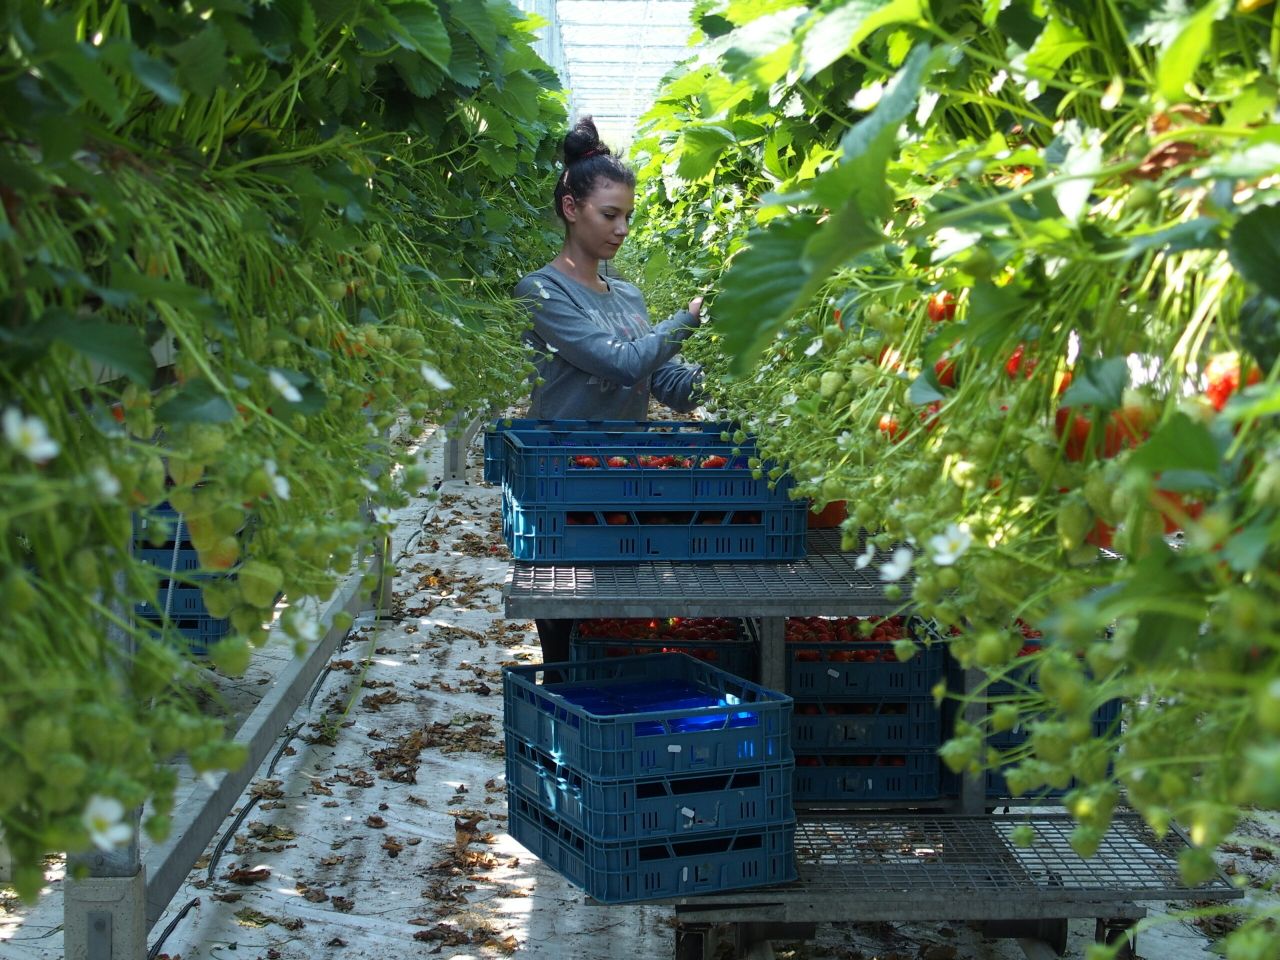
(586, 161)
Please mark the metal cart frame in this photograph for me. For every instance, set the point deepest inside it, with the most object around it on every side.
(946, 861)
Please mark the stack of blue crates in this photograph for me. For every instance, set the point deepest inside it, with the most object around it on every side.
(592, 492)
(651, 776)
(187, 612)
(866, 727)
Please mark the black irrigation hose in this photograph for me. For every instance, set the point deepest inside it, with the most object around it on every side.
(155, 949)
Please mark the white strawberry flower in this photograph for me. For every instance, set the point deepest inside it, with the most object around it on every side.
(950, 545)
(283, 387)
(899, 565)
(105, 482)
(29, 436)
(867, 98)
(278, 483)
(382, 515)
(368, 485)
(866, 556)
(104, 819)
(434, 377)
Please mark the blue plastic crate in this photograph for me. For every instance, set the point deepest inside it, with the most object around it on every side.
(1103, 719)
(625, 809)
(495, 438)
(739, 657)
(187, 613)
(647, 715)
(551, 467)
(864, 671)
(868, 777)
(678, 532)
(858, 727)
(626, 871)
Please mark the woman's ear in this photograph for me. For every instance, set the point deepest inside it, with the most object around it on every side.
(570, 208)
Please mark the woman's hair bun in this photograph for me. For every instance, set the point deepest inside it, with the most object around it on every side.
(583, 141)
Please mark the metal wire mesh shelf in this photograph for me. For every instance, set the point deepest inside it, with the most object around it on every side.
(863, 867)
(826, 582)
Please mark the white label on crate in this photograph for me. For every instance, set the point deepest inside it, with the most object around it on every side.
(689, 813)
(673, 748)
(684, 875)
(832, 672)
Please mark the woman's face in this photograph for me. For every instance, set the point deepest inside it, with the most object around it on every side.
(599, 224)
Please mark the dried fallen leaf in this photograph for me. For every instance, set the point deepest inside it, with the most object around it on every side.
(336, 942)
(375, 821)
(228, 897)
(392, 847)
(315, 895)
(249, 917)
(247, 876)
(343, 904)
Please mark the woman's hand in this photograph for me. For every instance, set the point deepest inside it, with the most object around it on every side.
(695, 307)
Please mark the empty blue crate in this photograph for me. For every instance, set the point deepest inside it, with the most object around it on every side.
(677, 533)
(648, 715)
(882, 725)
(610, 809)
(649, 468)
(739, 656)
(495, 434)
(881, 777)
(627, 871)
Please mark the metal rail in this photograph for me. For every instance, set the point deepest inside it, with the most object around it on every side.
(826, 582)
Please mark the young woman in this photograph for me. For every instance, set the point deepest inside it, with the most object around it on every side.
(598, 357)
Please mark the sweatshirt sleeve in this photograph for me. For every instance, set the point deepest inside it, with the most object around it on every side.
(566, 330)
(678, 385)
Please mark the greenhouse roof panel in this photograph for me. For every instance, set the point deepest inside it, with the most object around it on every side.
(615, 53)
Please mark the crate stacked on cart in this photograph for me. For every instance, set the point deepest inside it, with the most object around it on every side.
(650, 776)
(664, 491)
(729, 643)
(160, 539)
(1020, 682)
(866, 727)
(1023, 681)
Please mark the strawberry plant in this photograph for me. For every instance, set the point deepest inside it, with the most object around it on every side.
(1002, 276)
(240, 242)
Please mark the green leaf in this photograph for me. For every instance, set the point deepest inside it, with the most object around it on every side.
(1098, 383)
(1182, 56)
(156, 75)
(762, 286)
(1179, 444)
(869, 143)
(992, 311)
(118, 347)
(1244, 551)
(464, 63)
(700, 147)
(196, 402)
(202, 60)
(834, 34)
(1255, 248)
(657, 264)
(761, 51)
(1200, 233)
(417, 26)
(925, 389)
(788, 261)
(1260, 329)
(477, 20)
(1058, 41)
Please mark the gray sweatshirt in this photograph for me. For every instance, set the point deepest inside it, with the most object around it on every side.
(597, 354)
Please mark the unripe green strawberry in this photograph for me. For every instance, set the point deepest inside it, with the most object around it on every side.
(231, 655)
(65, 771)
(185, 473)
(206, 440)
(157, 826)
(1073, 522)
(44, 734)
(1049, 741)
(220, 597)
(258, 484)
(222, 554)
(228, 518)
(259, 583)
(960, 753)
(1004, 718)
(245, 618)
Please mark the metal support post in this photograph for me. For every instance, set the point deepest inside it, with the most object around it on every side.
(104, 913)
(773, 653)
(457, 436)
